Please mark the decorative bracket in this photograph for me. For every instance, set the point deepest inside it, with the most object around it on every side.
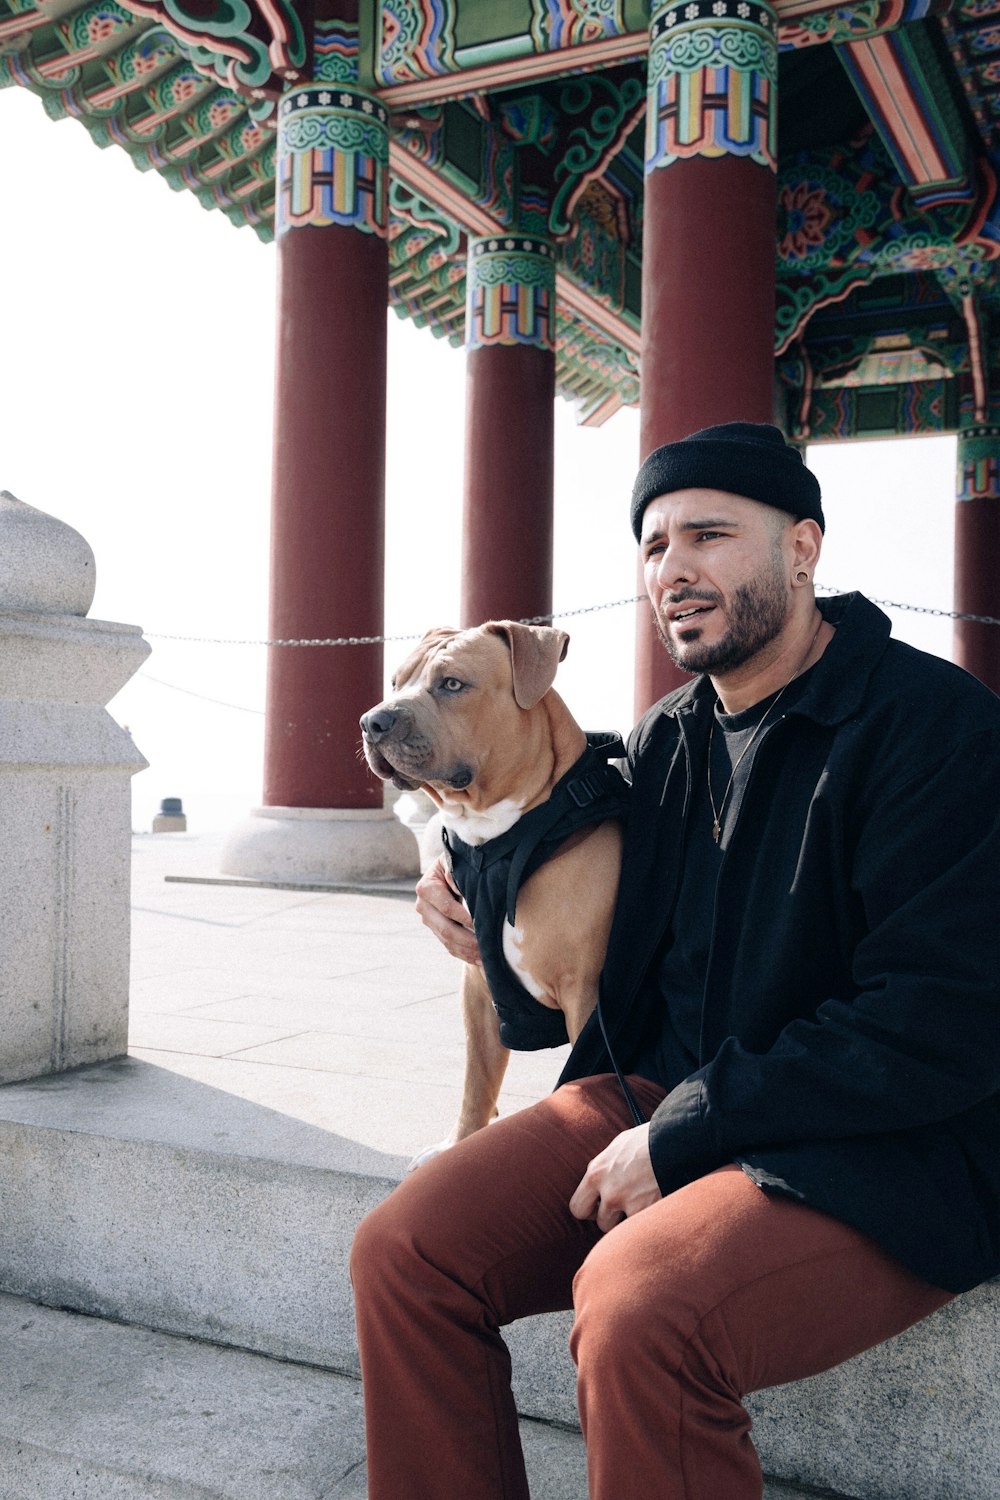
(254, 47)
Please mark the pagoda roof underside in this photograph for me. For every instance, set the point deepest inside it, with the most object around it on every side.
(528, 115)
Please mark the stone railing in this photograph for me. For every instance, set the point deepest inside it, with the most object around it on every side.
(65, 817)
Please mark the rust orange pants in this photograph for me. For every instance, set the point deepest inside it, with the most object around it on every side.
(716, 1290)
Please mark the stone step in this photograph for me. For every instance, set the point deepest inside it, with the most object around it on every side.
(93, 1410)
(133, 1193)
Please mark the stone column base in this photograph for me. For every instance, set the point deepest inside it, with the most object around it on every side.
(302, 845)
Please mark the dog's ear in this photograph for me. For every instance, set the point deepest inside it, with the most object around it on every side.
(415, 660)
(535, 653)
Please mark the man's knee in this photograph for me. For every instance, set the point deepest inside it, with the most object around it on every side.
(383, 1247)
(370, 1248)
(419, 1223)
(613, 1318)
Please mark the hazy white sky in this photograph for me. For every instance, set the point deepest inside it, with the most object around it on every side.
(135, 404)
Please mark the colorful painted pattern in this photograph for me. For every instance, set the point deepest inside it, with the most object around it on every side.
(335, 52)
(571, 23)
(852, 23)
(333, 161)
(253, 48)
(417, 37)
(979, 465)
(510, 292)
(416, 40)
(906, 411)
(900, 79)
(592, 253)
(595, 117)
(712, 82)
(828, 215)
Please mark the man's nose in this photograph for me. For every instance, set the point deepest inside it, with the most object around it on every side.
(675, 567)
(377, 723)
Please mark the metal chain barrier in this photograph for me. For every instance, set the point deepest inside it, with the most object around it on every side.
(588, 609)
(562, 614)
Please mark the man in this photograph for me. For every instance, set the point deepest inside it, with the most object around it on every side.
(802, 989)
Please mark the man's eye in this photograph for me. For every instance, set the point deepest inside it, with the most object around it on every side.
(451, 685)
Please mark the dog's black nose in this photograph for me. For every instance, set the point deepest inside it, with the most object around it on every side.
(377, 724)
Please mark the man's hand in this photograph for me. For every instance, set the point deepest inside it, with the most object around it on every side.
(441, 908)
(619, 1182)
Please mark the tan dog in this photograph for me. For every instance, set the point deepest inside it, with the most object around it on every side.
(473, 720)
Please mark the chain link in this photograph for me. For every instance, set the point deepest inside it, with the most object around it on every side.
(563, 614)
(588, 609)
(921, 609)
(379, 640)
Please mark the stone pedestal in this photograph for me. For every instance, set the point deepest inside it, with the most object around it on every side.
(321, 846)
(65, 810)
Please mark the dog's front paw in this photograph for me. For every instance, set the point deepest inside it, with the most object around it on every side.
(429, 1152)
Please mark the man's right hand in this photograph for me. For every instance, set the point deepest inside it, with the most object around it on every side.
(441, 908)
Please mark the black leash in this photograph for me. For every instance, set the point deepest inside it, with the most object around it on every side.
(638, 1118)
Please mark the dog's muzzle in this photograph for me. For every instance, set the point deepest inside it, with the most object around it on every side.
(381, 726)
(377, 723)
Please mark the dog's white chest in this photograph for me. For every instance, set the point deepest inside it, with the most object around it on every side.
(480, 827)
(513, 941)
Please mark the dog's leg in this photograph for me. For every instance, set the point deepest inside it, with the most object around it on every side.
(486, 1057)
(578, 1001)
(486, 1061)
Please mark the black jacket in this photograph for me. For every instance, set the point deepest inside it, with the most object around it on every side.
(850, 1038)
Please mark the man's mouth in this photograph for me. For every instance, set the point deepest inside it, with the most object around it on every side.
(687, 612)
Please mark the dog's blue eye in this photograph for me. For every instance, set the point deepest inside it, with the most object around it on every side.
(451, 685)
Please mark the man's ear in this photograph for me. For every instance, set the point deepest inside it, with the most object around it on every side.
(807, 540)
(535, 653)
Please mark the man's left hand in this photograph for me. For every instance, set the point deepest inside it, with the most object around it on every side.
(619, 1182)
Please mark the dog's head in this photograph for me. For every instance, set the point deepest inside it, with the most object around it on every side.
(460, 706)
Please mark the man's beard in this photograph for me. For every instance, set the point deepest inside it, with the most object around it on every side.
(757, 612)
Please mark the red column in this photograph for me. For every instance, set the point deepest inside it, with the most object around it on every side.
(327, 552)
(708, 272)
(977, 554)
(510, 394)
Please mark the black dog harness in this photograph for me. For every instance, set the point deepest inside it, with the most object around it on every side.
(490, 875)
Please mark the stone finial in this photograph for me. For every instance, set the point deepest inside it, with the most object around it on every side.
(46, 567)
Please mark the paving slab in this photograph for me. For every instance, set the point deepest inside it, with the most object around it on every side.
(320, 988)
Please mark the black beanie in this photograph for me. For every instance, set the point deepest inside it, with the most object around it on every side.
(743, 458)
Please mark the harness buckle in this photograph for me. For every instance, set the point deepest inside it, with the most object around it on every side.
(585, 789)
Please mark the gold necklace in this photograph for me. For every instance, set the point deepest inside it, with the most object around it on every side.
(718, 811)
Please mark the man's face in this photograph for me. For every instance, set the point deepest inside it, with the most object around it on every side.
(716, 576)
